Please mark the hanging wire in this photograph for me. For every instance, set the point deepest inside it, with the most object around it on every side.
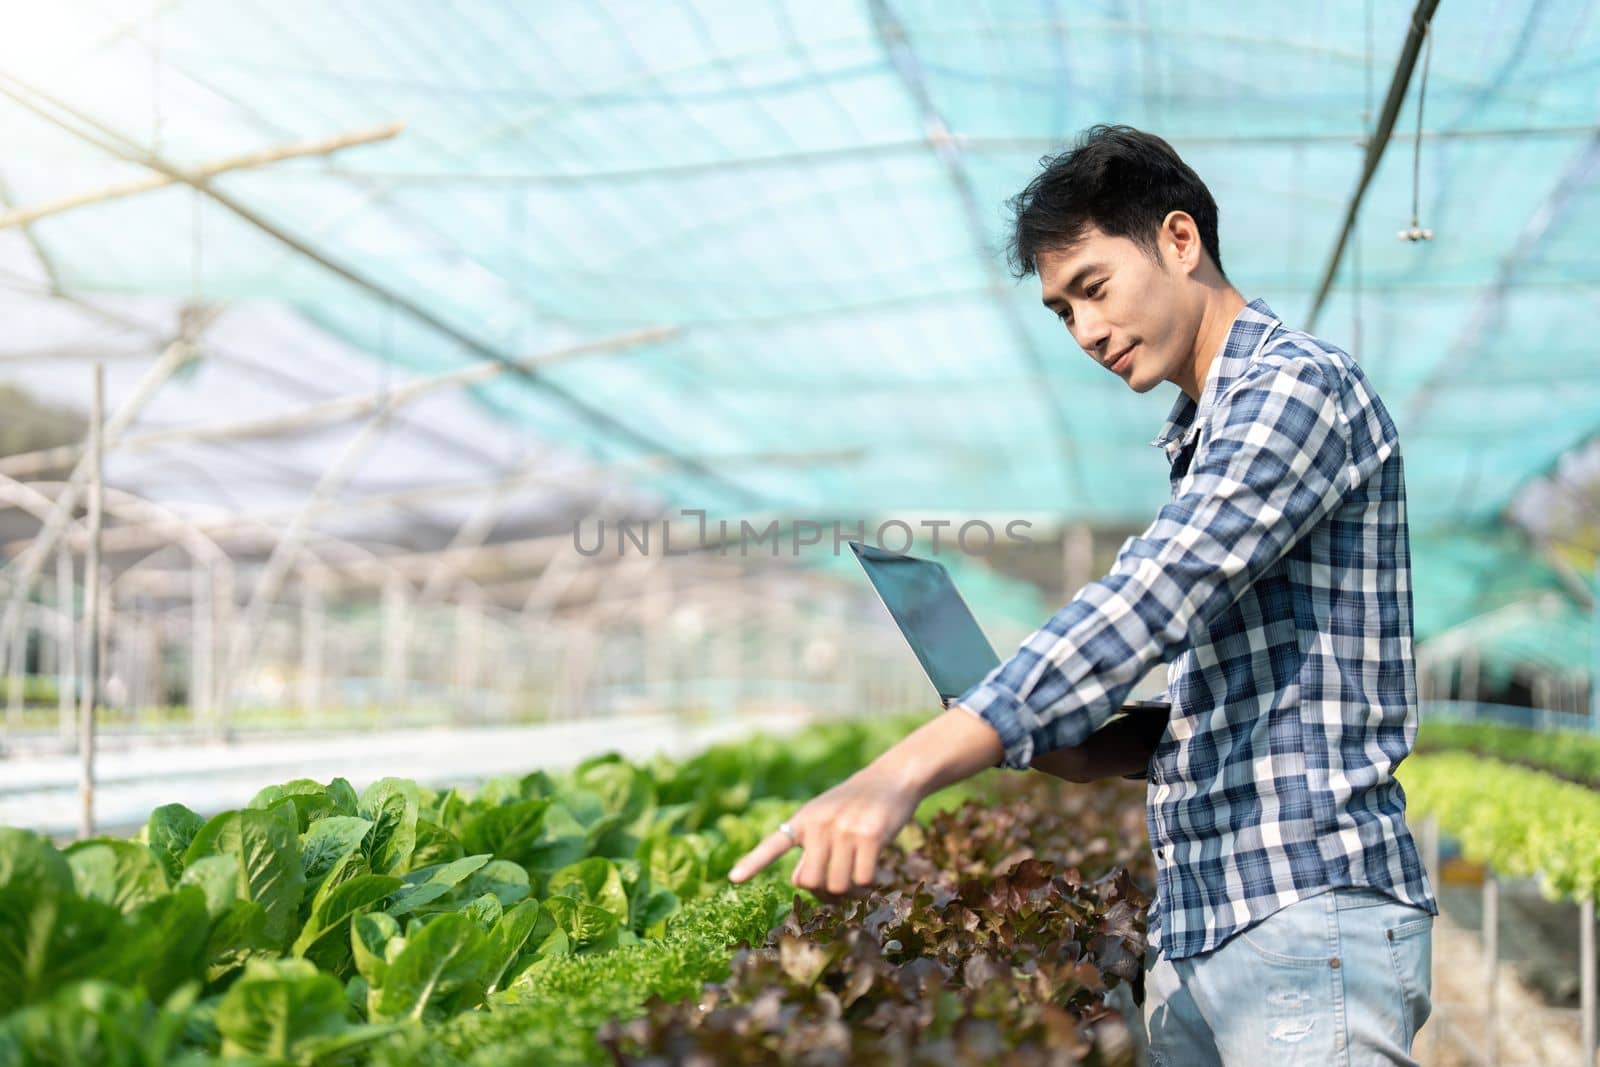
(1416, 231)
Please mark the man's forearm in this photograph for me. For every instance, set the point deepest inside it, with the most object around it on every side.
(1117, 749)
(944, 750)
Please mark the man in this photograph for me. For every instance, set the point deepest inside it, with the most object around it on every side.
(1292, 919)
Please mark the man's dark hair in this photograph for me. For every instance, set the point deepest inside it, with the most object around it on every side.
(1122, 180)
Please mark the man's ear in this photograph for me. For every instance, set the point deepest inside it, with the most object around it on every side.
(1181, 237)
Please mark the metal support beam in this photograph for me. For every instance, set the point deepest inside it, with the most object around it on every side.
(340, 409)
(467, 542)
(1421, 15)
(46, 263)
(67, 659)
(299, 150)
(215, 353)
(81, 125)
(93, 620)
(25, 571)
(240, 527)
(276, 572)
(902, 56)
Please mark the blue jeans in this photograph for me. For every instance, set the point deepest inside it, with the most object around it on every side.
(1341, 977)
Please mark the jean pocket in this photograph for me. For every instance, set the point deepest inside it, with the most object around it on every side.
(1293, 936)
(1411, 953)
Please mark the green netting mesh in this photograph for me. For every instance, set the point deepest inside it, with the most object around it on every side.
(812, 193)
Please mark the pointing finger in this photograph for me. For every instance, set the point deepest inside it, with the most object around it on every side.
(771, 847)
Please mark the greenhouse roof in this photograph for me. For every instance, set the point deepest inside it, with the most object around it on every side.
(781, 224)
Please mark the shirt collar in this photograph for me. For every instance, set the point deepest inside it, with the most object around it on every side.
(1250, 327)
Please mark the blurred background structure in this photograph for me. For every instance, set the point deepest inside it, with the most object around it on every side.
(406, 308)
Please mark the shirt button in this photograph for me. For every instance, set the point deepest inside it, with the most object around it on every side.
(1161, 853)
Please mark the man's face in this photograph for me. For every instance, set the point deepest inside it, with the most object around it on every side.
(1110, 294)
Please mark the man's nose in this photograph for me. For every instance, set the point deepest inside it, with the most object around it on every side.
(1092, 334)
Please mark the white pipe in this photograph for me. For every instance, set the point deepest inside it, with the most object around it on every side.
(92, 621)
(298, 150)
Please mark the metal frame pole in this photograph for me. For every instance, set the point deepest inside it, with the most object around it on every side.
(202, 643)
(1491, 950)
(1421, 16)
(1587, 997)
(311, 643)
(394, 641)
(66, 678)
(91, 687)
(85, 127)
(26, 569)
(298, 150)
(16, 672)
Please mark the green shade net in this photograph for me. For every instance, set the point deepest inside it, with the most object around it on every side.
(812, 193)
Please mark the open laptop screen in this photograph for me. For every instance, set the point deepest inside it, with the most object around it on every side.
(935, 620)
(940, 628)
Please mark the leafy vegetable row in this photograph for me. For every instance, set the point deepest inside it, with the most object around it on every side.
(1565, 754)
(317, 924)
(403, 926)
(1523, 822)
(969, 950)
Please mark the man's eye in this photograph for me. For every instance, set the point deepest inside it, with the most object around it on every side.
(1094, 290)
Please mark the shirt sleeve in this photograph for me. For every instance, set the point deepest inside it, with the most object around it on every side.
(1272, 463)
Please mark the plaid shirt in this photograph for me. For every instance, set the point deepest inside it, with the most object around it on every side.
(1277, 586)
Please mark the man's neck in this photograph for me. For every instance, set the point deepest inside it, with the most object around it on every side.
(1222, 307)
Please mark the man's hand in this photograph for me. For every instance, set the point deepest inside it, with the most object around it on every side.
(843, 830)
(1120, 749)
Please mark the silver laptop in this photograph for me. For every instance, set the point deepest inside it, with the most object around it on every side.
(940, 627)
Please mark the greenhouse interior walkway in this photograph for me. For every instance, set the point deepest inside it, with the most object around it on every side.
(42, 794)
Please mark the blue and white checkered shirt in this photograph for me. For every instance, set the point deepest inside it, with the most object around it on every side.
(1276, 585)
